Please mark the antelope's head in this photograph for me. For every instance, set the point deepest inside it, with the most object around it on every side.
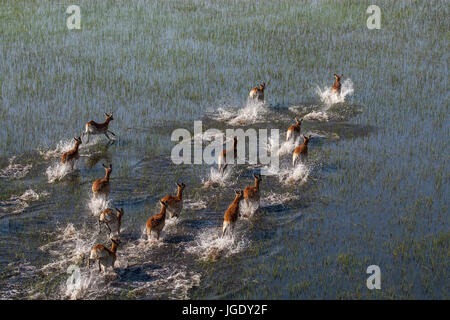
(108, 170)
(257, 177)
(109, 117)
(119, 213)
(181, 185)
(78, 140)
(306, 139)
(239, 194)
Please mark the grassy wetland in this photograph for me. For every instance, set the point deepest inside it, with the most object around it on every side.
(374, 190)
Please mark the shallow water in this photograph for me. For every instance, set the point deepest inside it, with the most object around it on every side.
(373, 190)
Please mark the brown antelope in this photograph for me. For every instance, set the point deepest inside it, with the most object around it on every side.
(258, 92)
(225, 155)
(104, 256)
(293, 131)
(156, 223)
(175, 203)
(251, 193)
(301, 151)
(336, 88)
(72, 155)
(95, 128)
(232, 213)
(109, 217)
(101, 186)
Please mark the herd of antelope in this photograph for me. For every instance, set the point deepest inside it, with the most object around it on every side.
(173, 205)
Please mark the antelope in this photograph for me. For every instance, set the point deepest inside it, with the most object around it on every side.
(95, 128)
(232, 213)
(293, 131)
(108, 217)
(104, 256)
(225, 155)
(72, 155)
(175, 203)
(336, 88)
(251, 193)
(156, 223)
(301, 151)
(258, 92)
(101, 186)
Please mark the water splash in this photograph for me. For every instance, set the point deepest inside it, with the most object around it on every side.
(321, 116)
(66, 145)
(210, 245)
(98, 204)
(253, 112)
(17, 204)
(248, 208)
(329, 98)
(298, 175)
(59, 170)
(15, 170)
(273, 198)
(218, 179)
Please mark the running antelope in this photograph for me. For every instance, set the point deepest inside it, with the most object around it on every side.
(252, 194)
(293, 131)
(101, 186)
(301, 151)
(232, 213)
(175, 203)
(104, 256)
(337, 84)
(225, 155)
(95, 128)
(156, 223)
(258, 92)
(109, 218)
(72, 155)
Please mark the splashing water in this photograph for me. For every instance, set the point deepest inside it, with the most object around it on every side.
(15, 170)
(17, 204)
(194, 205)
(273, 198)
(299, 174)
(248, 208)
(98, 204)
(317, 115)
(210, 245)
(285, 147)
(217, 179)
(66, 145)
(253, 112)
(59, 170)
(329, 98)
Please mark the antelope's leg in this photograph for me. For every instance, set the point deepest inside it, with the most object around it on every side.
(107, 224)
(107, 136)
(99, 267)
(111, 132)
